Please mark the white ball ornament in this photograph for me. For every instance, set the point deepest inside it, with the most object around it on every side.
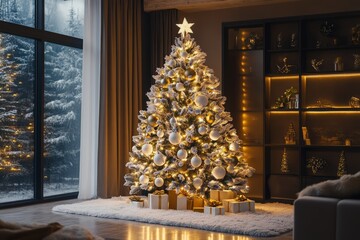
(147, 149)
(182, 154)
(187, 187)
(174, 138)
(218, 172)
(196, 161)
(159, 159)
(214, 135)
(197, 182)
(134, 149)
(159, 182)
(230, 169)
(172, 63)
(202, 130)
(201, 100)
(183, 54)
(207, 161)
(180, 87)
(234, 147)
(143, 179)
(160, 133)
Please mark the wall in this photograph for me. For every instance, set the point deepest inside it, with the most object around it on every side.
(207, 28)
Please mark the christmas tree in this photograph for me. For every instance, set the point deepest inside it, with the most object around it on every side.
(284, 163)
(186, 141)
(342, 168)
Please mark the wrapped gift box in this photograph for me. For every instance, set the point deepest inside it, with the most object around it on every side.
(243, 206)
(219, 210)
(190, 204)
(198, 202)
(158, 201)
(177, 201)
(198, 209)
(226, 202)
(219, 195)
(137, 204)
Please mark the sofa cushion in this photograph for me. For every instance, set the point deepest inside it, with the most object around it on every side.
(348, 219)
(315, 218)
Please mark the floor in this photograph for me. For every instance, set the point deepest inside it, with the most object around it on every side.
(116, 229)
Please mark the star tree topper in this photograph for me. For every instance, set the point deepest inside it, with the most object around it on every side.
(185, 27)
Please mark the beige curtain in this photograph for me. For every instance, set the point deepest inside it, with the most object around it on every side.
(120, 93)
(163, 33)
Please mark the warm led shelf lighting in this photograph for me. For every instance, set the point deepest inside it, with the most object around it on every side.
(283, 112)
(333, 75)
(282, 77)
(333, 112)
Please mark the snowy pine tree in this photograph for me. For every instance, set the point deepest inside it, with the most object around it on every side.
(185, 139)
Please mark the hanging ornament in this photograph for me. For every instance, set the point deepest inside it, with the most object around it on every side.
(214, 135)
(210, 117)
(159, 159)
(202, 130)
(159, 182)
(180, 87)
(230, 169)
(201, 100)
(207, 161)
(152, 120)
(190, 74)
(174, 138)
(197, 183)
(172, 121)
(182, 154)
(143, 179)
(187, 187)
(134, 149)
(218, 172)
(234, 147)
(171, 63)
(147, 149)
(183, 54)
(171, 73)
(165, 82)
(160, 133)
(196, 161)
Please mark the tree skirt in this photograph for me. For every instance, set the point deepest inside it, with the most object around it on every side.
(270, 219)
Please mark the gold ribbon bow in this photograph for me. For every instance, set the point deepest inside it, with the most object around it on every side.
(213, 203)
(240, 198)
(136, 199)
(159, 192)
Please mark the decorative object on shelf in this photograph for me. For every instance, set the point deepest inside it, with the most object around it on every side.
(355, 35)
(347, 142)
(290, 137)
(253, 41)
(321, 103)
(284, 162)
(316, 64)
(290, 99)
(327, 29)
(354, 102)
(285, 68)
(293, 42)
(356, 61)
(338, 64)
(305, 134)
(342, 168)
(316, 164)
(318, 44)
(279, 40)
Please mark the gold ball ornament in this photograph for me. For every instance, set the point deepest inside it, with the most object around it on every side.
(165, 82)
(190, 74)
(152, 120)
(210, 117)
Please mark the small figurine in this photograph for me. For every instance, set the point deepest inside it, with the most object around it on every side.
(316, 64)
(279, 41)
(355, 38)
(293, 42)
(338, 64)
(284, 163)
(290, 137)
(286, 67)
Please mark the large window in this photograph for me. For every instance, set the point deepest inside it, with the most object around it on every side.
(40, 98)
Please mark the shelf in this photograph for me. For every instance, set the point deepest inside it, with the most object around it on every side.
(282, 50)
(331, 74)
(246, 50)
(282, 76)
(282, 145)
(252, 145)
(333, 48)
(285, 174)
(274, 110)
(334, 109)
(330, 146)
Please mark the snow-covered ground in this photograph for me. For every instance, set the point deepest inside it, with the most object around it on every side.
(25, 194)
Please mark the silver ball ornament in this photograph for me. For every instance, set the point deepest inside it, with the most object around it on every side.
(160, 133)
(230, 169)
(143, 179)
(159, 182)
(234, 147)
(182, 154)
(174, 138)
(214, 135)
(201, 100)
(218, 172)
(195, 161)
(180, 87)
(202, 130)
(147, 149)
(207, 162)
(187, 187)
(159, 159)
(197, 183)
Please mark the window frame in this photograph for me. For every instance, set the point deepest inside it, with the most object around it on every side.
(40, 36)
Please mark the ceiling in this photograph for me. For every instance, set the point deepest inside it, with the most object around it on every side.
(203, 5)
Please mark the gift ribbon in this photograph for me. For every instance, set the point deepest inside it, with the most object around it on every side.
(159, 192)
(136, 199)
(240, 198)
(213, 203)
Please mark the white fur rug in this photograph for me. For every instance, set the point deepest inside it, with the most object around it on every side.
(270, 219)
